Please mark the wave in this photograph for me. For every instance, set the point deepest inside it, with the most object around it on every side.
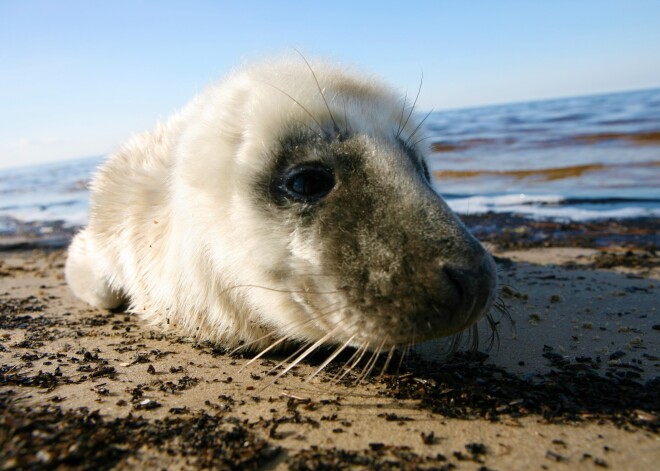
(556, 206)
(545, 174)
(649, 138)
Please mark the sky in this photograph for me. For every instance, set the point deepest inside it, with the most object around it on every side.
(77, 78)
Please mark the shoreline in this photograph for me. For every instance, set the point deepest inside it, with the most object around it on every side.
(575, 385)
(505, 230)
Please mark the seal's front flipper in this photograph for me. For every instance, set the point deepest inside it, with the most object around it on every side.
(85, 279)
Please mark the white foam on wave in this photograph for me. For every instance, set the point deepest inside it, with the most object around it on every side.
(486, 203)
(546, 207)
(71, 216)
(46, 193)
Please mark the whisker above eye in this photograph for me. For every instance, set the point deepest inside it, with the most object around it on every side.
(312, 130)
(309, 113)
(419, 126)
(347, 125)
(412, 108)
(425, 138)
(403, 110)
(318, 85)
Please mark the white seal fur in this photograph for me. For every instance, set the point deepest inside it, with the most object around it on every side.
(291, 201)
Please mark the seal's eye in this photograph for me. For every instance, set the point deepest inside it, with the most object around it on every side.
(308, 183)
(425, 172)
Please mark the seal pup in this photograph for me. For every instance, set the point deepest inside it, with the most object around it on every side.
(290, 202)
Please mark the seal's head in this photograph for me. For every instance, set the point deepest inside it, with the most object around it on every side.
(292, 201)
(319, 213)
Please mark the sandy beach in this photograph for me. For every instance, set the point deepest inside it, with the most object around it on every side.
(573, 384)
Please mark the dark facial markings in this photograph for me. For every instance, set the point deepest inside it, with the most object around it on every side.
(295, 176)
(379, 239)
(425, 171)
(307, 169)
(307, 183)
(418, 161)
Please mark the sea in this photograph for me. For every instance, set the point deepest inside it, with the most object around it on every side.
(572, 159)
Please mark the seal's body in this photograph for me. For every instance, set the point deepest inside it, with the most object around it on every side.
(293, 200)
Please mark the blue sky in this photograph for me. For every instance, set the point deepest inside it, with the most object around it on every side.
(78, 77)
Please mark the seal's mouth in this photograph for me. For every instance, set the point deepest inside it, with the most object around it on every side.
(369, 356)
(373, 339)
(451, 299)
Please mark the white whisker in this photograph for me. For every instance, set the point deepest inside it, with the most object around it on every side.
(359, 353)
(291, 325)
(264, 351)
(300, 358)
(289, 358)
(372, 362)
(297, 103)
(405, 352)
(331, 357)
(390, 354)
(276, 290)
(419, 126)
(474, 332)
(412, 108)
(318, 85)
(367, 367)
(403, 110)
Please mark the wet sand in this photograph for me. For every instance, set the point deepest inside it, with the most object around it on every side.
(575, 384)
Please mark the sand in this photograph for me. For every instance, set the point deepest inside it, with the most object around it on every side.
(573, 385)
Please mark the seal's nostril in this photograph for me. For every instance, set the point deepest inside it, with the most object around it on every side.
(472, 288)
(457, 280)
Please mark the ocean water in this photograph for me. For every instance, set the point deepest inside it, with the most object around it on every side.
(574, 159)
(582, 158)
(46, 193)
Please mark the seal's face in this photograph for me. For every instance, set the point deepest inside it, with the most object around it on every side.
(377, 256)
(288, 202)
(319, 216)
